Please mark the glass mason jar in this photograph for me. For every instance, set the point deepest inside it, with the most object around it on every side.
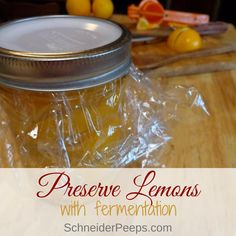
(62, 94)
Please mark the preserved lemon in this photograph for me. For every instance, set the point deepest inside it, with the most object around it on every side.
(77, 126)
(184, 40)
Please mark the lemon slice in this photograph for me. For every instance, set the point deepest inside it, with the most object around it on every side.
(142, 24)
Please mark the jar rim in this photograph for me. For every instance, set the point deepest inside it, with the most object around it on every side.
(66, 70)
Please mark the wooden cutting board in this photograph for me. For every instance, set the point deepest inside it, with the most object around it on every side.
(218, 54)
(201, 140)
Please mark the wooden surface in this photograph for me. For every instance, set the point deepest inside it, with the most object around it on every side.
(218, 54)
(211, 58)
(201, 139)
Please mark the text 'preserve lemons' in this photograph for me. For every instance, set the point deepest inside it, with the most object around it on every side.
(103, 8)
(184, 40)
(78, 7)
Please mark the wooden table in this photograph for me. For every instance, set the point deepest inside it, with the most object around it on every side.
(201, 140)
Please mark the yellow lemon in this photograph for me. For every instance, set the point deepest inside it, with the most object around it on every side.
(184, 40)
(142, 24)
(103, 8)
(78, 7)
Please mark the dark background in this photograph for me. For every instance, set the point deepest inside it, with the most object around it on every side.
(224, 10)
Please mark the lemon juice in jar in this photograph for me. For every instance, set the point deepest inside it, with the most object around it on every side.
(62, 91)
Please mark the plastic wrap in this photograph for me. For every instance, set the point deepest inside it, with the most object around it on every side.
(120, 124)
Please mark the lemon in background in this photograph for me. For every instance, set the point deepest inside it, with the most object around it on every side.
(144, 24)
(184, 39)
(103, 8)
(78, 7)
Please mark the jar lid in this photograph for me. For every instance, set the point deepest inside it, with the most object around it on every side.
(61, 53)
